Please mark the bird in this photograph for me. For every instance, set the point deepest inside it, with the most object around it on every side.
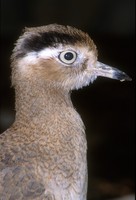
(43, 153)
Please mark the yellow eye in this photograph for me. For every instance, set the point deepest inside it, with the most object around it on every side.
(68, 57)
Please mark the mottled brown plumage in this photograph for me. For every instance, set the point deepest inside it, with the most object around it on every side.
(43, 154)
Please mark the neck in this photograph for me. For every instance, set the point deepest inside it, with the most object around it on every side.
(39, 101)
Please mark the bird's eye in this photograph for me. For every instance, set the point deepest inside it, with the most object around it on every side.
(68, 57)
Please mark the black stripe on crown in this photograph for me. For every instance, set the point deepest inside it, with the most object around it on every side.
(45, 40)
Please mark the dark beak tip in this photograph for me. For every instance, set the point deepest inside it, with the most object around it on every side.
(122, 77)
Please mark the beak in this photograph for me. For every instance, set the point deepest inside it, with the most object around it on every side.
(110, 72)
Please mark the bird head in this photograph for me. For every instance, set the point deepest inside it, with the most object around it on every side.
(60, 56)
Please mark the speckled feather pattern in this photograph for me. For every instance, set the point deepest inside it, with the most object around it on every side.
(48, 158)
(43, 154)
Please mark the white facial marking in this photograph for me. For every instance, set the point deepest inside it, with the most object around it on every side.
(78, 80)
(48, 53)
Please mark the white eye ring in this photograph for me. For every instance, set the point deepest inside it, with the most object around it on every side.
(68, 57)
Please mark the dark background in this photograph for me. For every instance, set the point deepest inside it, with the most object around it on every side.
(106, 106)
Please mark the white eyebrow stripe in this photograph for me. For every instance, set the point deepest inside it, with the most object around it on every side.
(30, 58)
(33, 57)
(48, 53)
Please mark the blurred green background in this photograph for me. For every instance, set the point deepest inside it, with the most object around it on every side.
(107, 106)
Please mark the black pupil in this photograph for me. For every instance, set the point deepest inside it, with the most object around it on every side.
(69, 56)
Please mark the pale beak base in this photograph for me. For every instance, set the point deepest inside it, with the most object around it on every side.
(110, 72)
